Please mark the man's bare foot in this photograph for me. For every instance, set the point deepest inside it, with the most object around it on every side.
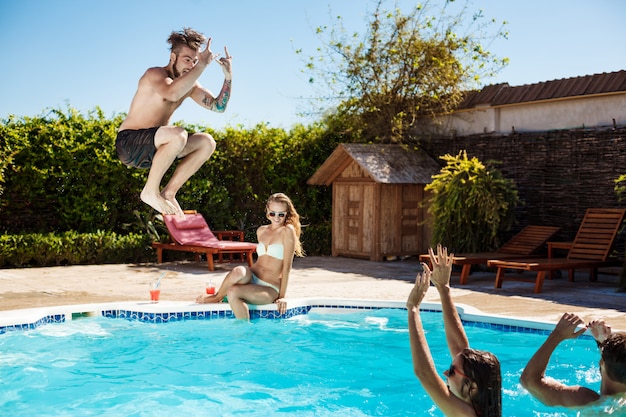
(174, 203)
(209, 299)
(157, 202)
(177, 210)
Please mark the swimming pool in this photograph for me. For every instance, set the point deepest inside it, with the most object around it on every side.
(325, 359)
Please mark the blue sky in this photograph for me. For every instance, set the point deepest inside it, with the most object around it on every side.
(84, 53)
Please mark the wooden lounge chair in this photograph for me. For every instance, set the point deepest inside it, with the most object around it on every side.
(522, 245)
(192, 234)
(589, 250)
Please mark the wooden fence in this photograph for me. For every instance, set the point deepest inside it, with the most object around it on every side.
(559, 174)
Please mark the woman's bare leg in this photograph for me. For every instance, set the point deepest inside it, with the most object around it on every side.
(238, 275)
(239, 296)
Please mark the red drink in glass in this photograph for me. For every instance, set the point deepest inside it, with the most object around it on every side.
(154, 295)
(155, 292)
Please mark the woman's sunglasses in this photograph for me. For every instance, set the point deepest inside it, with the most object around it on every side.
(453, 371)
(277, 213)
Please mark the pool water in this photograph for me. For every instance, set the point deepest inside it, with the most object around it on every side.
(352, 364)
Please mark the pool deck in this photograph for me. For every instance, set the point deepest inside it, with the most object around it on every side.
(329, 277)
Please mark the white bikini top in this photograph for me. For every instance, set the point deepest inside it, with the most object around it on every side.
(275, 250)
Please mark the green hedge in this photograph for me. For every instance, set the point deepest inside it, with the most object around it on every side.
(72, 248)
(59, 174)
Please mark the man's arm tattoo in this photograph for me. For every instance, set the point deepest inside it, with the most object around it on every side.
(219, 103)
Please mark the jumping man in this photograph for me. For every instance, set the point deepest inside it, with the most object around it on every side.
(147, 140)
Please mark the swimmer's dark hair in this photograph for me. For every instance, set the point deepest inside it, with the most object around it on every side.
(186, 37)
(614, 356)
(484, 369)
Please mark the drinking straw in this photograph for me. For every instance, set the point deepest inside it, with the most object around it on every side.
(158, 283)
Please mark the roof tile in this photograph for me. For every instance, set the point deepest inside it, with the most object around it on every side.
(502, 94)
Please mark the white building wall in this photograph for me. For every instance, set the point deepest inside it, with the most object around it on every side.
(571, 113)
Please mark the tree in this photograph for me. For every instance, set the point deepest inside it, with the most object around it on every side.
(405, 67)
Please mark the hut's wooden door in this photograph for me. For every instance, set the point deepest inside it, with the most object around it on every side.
(354, 232)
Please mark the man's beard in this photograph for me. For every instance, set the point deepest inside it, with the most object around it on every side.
(174, 70)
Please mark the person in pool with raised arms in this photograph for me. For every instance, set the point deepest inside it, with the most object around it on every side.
(474, 383)
(266, 281)
(146, 140)
(612, 347)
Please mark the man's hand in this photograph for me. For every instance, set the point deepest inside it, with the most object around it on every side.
(600, 330)
(225, 63)
(207, 55)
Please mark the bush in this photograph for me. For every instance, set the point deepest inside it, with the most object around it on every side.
(72, 248)
(470, 204)
(59, 172)
(63, 187)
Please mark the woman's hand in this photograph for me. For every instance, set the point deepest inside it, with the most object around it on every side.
(442, 266)
(422, 282)
(282, 305)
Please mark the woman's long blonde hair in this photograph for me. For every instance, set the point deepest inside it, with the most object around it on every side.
(292, 217)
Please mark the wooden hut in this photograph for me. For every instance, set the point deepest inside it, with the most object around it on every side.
(378, 195)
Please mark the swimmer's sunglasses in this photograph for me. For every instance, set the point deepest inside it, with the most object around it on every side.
(277, 213)
(453, 371)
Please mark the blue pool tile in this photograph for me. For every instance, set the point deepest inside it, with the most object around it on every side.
(150, 317)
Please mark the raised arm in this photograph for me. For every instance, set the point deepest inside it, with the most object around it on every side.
(549, 391)
(206, 99)
(442, 269)
(423, 364)
(173, 88)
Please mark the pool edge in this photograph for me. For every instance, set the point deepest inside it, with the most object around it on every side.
(163, 311)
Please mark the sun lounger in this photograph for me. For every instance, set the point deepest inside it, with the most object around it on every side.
(589, 250)
(192, 234)
(522, 245)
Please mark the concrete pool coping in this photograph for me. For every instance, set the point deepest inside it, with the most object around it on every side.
(315, 277)
(170, 311)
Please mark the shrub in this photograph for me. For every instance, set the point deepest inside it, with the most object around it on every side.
(470, 204)
(72, 248)
(59, 172)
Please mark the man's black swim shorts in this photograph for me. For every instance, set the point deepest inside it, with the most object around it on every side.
(135, 147)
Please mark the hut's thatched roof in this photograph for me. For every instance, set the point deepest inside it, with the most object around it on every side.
(385, 164)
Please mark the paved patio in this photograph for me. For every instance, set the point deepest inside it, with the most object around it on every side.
(335, 277)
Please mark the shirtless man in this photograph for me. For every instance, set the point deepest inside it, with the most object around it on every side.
(146, 140)
(612, 366)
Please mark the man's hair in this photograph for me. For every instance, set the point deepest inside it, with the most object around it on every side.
(483, 368)
(614, 356)
(186, 37)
